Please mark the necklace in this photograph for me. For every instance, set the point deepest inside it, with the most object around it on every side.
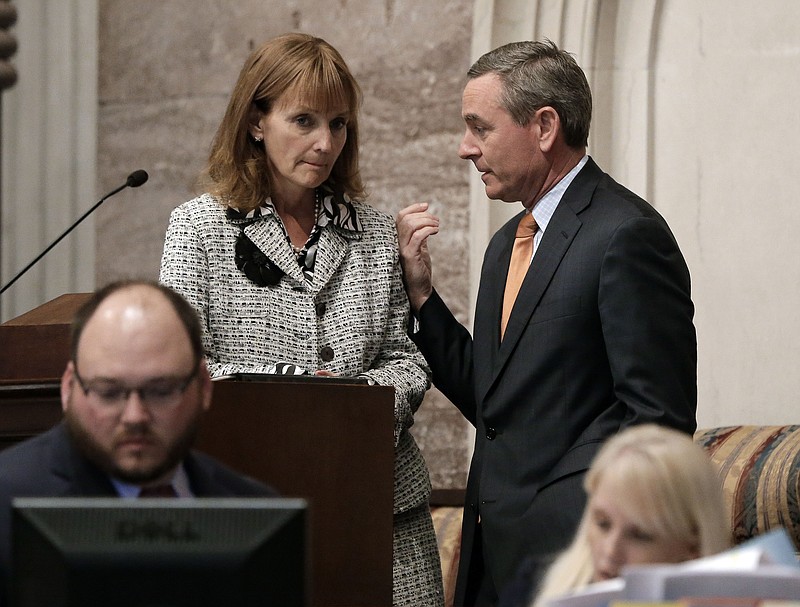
(298, 251)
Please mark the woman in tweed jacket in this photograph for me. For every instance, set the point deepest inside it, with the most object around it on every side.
(291, 273)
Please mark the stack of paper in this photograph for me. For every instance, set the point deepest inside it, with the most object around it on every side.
(763, 568)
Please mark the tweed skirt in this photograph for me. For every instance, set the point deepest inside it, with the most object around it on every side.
(417, 572)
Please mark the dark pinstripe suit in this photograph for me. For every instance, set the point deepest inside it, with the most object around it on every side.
(601, 336)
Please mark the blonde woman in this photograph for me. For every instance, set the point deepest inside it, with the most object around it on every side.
(654, 497)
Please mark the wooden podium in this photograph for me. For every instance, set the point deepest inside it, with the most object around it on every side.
(330, 443)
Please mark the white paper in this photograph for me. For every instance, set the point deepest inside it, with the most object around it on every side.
(765, 567)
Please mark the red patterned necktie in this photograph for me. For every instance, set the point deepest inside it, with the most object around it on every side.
(518, 268)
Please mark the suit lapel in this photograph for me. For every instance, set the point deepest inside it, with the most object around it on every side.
(561, 231)
(331, 250)
(332, 247)
(269, 237)
(493, 282)
(80, 476)
(556, 241)
(200, 481)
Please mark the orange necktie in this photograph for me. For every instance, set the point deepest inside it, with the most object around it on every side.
(520, 262)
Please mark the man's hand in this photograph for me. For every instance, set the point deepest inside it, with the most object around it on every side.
(414, 225)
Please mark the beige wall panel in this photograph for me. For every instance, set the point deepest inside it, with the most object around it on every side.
(726, 126)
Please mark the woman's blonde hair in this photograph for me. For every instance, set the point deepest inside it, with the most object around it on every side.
(299, 65)
(667, 485)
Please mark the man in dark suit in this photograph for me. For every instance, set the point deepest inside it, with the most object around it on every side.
(599, 337)
(133, 395)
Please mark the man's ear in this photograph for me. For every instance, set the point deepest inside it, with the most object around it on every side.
(67, 385)
(548, 127)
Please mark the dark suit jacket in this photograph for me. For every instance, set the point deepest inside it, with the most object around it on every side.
(601, 337)
(49, 466)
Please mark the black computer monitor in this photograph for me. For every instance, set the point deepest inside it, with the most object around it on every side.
(159, 552)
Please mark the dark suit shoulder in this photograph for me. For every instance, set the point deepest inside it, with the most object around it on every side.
(592, 185)
(622, 200)
(592, 196)
(48, 465)
(211, 478)
(610, 198)
(26, 471)
(25, 467)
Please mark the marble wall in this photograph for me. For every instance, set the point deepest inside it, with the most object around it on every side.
(694, 109)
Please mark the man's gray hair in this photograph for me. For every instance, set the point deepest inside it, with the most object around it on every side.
(539, 74)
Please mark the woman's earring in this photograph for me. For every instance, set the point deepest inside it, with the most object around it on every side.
(258, 138)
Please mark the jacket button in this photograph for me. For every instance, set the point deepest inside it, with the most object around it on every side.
(326, 354)
(320, 309)
(491, 433)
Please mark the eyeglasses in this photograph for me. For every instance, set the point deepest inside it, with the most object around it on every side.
(160, 393)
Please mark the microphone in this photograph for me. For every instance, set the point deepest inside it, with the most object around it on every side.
(134, 180)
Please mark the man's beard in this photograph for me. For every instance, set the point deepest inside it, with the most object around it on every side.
(96, 454)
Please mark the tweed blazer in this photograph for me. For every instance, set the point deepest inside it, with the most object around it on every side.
(350, 318)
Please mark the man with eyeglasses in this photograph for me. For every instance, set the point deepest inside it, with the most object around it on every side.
(133, 396)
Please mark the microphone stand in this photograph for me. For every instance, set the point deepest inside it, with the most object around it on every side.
(134, 180)
(1, 186)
